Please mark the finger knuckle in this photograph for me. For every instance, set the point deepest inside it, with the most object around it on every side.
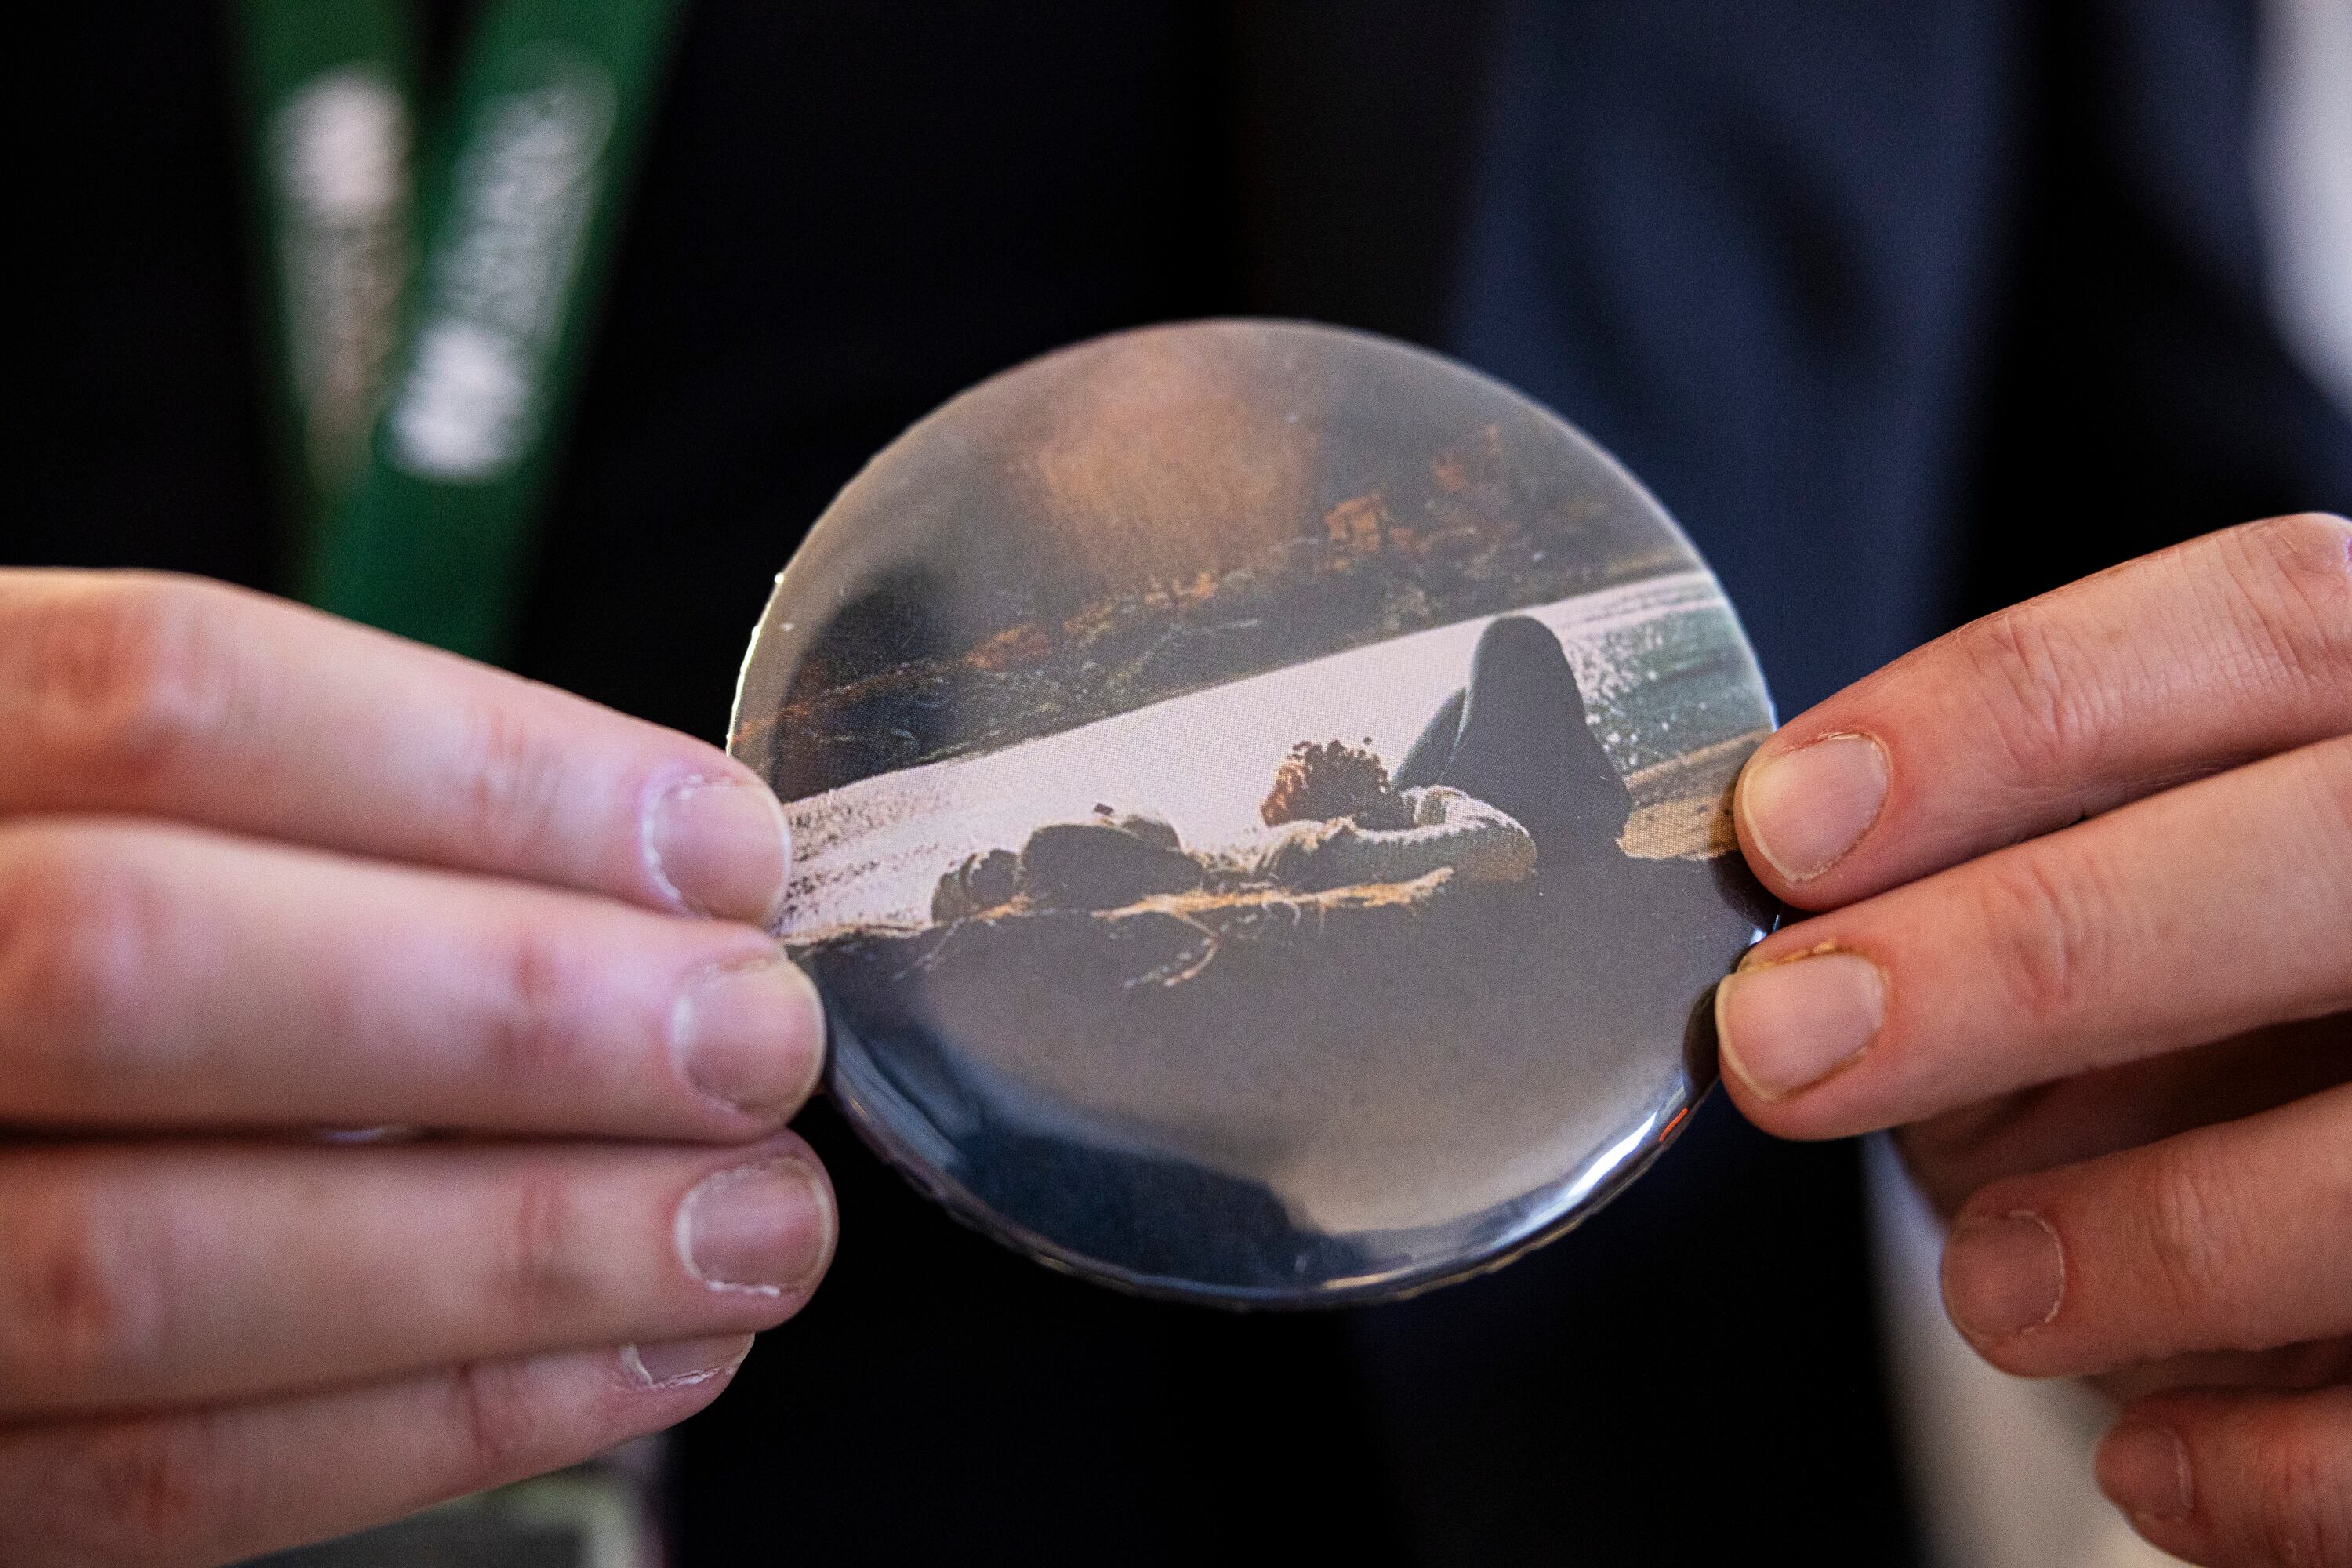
(76, 1308)
(513, 789)
(2048, 933)
(533, 1038)
(130, 675)
(157, 1488)
(78, 932)
(2038, 704)
(496, 1423)
(2330, 767)
(543, 1275)
(2302, 1500)
(2293, 576)
(2190, 1229)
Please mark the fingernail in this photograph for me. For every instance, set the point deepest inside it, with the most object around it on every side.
(679, 1364)
(1782, 1027)
(763, 1230)
(2144, 1470)
(752, 1035)
(719, 846)
(2003, 1275)
(1806, 808)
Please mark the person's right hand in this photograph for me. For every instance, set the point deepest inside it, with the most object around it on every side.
(264, 873)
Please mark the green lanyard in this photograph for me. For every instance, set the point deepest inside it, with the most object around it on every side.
(424, 386)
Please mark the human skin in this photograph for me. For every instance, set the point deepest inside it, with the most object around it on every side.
(2081, 884)
(264, 873)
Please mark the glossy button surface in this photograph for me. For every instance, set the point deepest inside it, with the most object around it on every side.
(1258, 805)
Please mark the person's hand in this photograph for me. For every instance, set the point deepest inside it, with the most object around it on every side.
(2087, 871)
(264, 873)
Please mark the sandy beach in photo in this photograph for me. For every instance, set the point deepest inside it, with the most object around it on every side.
(1647, 655)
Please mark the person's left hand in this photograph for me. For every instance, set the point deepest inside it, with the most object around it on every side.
(2088, 866)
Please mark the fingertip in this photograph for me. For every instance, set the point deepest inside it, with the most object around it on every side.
(674, 1364)
(2143, 1469)
(1754, 1101)
(2003, 1274)
(1785, 1025)
(2253, 1475)
(750, 1035)
(1801, 811)
(718, 843)
(764, 1228)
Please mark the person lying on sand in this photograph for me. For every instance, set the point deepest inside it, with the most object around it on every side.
(1333, 820)
(1515, 735)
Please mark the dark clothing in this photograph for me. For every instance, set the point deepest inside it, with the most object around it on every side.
(1903, 310)
(1515, 737)
(1431, 750)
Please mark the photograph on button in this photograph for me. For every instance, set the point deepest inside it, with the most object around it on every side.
(1258, 805)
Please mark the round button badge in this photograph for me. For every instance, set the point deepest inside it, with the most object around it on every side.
(1259, 804)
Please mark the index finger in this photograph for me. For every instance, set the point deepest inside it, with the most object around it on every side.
(176, 696)
(2227, 648)
(2190, 917)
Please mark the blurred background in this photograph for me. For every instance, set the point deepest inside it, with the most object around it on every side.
(1905, 311)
